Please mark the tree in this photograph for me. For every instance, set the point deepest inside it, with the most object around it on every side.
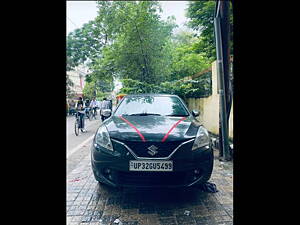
(201, 14)
(140, 50)
(97, 89)
(84, 44)
(186, 58)
(126, 40)
(183, 37)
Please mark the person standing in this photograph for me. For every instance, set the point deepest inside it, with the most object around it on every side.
(93, 105)
(67, 109)
(81, 113)
(110, 102)
(87, 109)
(87, 102)
(72, 105)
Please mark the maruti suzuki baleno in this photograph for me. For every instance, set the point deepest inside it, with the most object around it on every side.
(152, 140)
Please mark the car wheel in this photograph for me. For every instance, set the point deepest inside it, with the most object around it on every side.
(208, 173)
(101, 184)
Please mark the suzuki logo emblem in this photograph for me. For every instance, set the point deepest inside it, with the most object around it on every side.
(152, 150)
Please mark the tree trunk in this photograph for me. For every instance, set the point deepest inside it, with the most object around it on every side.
(145, 70)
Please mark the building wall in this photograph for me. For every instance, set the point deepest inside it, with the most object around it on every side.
(74, 76)
(209, 107)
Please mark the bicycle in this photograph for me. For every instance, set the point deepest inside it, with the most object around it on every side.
(94, 113)
(88, 113)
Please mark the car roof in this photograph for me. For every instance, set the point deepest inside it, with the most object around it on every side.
(150, 94)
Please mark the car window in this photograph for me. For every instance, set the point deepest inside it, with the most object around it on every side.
(152, 105)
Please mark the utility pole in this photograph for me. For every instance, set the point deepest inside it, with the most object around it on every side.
(221, 28)
(225, 30)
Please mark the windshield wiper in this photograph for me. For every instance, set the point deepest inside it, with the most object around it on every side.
(145, 114)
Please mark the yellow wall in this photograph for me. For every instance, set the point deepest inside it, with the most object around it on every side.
(209, 107)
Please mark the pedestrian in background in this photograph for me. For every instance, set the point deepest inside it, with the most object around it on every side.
(72, 106)
(67, 109)
(81, 113)
(98, 104)
(93, 105)
(110, 104)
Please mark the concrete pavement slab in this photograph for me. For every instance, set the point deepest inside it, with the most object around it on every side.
(90, 203)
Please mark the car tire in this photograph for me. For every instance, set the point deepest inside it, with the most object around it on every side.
(208, 173)
(98, 179)
(101, 184)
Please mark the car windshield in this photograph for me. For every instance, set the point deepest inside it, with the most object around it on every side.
(151, 105)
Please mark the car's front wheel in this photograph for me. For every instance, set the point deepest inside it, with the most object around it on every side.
(208, 173)
(208, 170)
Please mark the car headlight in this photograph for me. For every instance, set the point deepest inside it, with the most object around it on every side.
(102, 138)
(202, 138)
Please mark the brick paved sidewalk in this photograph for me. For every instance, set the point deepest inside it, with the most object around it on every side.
(89, 203)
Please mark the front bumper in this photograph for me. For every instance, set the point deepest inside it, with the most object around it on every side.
(112, 168)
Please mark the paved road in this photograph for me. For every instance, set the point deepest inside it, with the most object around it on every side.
(89, 203)
(75, 142)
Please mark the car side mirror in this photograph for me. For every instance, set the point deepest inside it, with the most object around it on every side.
(195, 113)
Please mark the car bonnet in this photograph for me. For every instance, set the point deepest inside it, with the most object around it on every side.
(152, 128)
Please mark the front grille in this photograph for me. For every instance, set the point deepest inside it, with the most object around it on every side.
(151, 178)
(164, 149)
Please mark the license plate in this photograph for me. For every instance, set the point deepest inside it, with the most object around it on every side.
(150, 165)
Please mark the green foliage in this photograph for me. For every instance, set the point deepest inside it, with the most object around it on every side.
(198, 88)
(128, 40)
(186, 58)
(183, 37)
(201, 14)
(84, 43)
(131, 86)
(70, 64)
(96, 89)
(139, 49)
(187, 63)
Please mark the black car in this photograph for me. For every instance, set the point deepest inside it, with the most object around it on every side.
(152, 140)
